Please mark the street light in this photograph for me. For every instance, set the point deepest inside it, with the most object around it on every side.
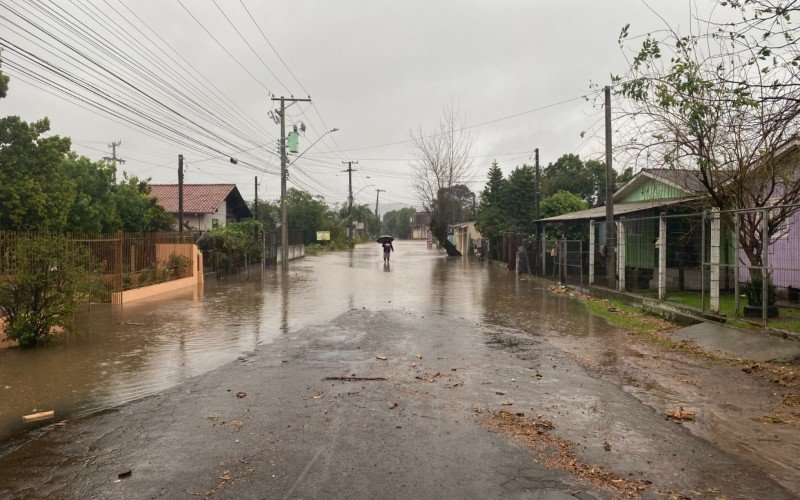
(312, 145)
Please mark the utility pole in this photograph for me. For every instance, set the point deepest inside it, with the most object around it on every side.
(284, 177)
(538, 195)
(350, 197)
(377, 197)
(255, 203)
(113, 158)
(611, 274)
(180, 193)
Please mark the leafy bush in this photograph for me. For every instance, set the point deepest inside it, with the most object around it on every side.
(754, 291)
(44, 280)
(178, 264)
(233, 246)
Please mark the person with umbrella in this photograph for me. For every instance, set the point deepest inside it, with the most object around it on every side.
(386, 243)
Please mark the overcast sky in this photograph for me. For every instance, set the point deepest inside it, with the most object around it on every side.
(374, 69)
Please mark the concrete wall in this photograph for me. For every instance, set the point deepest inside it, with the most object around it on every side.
(195, 279)
(294, 251)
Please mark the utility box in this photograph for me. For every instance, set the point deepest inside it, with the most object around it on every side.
(292, 141)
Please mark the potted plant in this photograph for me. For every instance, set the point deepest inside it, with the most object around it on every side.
(754, 292)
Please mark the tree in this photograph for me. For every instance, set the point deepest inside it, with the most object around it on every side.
(520, 201)
(491, 219)
(307, 213)
(584, 179)
(723, 102)
(4, 79)
(398, 222)
(94, 209)
(139, 212)
(46, 278)
(35, 191)
(443, 160)
(560, 203)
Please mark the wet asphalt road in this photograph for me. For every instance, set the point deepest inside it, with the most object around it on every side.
(297, 435)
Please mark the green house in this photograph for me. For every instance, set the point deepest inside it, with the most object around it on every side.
(673, 192)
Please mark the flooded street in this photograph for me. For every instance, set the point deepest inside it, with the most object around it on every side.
(125, 353)
(475, 315)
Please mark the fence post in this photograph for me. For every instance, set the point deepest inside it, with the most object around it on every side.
(563, 261)
(662, 256)
(591, 253)
(543, 274)
(118, 266)
(621, 255)
(764, 266)
(736, 251)
(516, 267)
(703, 262)
(714, 261)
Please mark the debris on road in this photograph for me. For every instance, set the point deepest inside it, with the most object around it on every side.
(557, 453)
(393, 405)
(680, 414)
(500, 393)
(789, 418)
(419, 356)
(241, 394)
(42, 415)
(319, 395)
(124, 475)
(356, 379)
(382, 358)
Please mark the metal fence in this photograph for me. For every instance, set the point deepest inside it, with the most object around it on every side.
(121, 261)
(743, 265)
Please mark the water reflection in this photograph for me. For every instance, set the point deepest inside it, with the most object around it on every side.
(142, 348)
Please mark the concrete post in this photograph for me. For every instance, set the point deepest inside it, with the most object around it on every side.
(516, 268)
(714, 261)
(591, 252)
(621, 254)
(544, 254)
(662, 257)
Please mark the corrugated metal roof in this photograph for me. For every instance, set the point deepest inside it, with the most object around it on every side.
(619, 209)
(197, 198)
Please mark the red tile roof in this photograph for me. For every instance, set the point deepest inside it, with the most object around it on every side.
(197, 198)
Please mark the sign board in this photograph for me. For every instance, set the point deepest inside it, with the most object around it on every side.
(323, 236)
(360, 225)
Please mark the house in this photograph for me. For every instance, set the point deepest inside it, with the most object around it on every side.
(205, 206)
(420, 224)
(465, 237)
(651, 192)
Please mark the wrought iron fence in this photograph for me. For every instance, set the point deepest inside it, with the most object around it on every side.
(121, 261)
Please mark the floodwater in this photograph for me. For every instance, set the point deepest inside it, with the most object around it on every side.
(126, 353)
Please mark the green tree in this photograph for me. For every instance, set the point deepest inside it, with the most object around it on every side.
(94, 209)
(519, 200)
(560, 203)
(307, 213)
(723, 101)
(137, 210)
(491, 219)
(46, 279)
(35, 191)
(398, 222)
(4, 79)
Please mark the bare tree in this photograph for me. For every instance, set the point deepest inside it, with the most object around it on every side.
(722, 102)
(443, 159)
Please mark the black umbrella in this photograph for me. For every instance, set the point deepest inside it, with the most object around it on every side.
(385, 239)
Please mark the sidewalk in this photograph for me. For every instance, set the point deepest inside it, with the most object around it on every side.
(733, 343)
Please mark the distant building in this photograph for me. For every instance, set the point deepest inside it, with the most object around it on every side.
(420, 224)
(205, 206)
(466, 237)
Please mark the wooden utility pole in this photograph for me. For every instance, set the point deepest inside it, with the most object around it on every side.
(284, 177)
(350, 196)
(255, 202)
(538, 195)
(611, 275)
(180, 193)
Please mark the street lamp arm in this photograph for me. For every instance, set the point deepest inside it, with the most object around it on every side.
(312, 145)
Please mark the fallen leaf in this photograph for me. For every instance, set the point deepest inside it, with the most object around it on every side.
(241, 394)
(382, 358)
